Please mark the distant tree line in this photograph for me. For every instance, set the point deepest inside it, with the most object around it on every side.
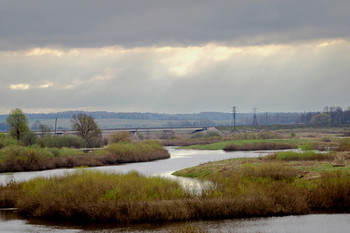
(329, 115)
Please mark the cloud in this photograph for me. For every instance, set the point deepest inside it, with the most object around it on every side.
(174, 56)
(211, 77)
(133, 23)
(20, 86)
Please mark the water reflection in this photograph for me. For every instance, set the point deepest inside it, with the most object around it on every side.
(179, 159)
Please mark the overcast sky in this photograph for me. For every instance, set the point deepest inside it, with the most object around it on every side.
(182, 56)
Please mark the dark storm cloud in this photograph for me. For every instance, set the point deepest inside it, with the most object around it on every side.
(87, 23)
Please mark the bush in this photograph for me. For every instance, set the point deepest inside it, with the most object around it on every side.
(307, 146)
(6, 140)
(62, 141)
(33, 154)
(122, 136)
(29, 138)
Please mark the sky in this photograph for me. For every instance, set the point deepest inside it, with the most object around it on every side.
(166, 56)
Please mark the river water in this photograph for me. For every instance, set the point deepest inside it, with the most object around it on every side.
(11, 222)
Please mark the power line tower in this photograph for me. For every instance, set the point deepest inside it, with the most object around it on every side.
(234, 119)
(255, 120)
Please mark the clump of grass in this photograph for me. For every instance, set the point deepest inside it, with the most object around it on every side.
(259, 146)
(69, 141)
(304, 156)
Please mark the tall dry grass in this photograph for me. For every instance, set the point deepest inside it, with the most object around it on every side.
(259, 146)
(17, 158)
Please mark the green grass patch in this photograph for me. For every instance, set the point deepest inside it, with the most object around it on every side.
(306, 155)
(221, 145)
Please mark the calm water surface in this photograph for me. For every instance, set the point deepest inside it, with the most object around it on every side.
(11, 222)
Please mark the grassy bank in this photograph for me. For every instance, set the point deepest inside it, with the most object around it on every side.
(280, 184)
(14, 158)
(248, 143)
(283, 183)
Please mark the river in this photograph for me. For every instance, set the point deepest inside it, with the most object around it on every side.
(11, 222)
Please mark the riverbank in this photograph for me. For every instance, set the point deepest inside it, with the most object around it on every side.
(17, 158)
(276, 185)
(281, 184)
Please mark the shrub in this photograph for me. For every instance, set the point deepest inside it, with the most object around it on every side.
(307, 146)
(14, 153)
(120, 137)
(62, 141)
(29, 138)
(6, 140)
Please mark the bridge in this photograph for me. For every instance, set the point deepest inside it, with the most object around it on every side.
(107, 132)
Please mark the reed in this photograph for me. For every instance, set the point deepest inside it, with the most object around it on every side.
(304, 156)
(16, 158)
(259, 146)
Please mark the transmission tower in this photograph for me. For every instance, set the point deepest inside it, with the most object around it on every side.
(234, 119)
(255, 120)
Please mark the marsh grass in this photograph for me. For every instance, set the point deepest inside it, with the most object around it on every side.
(16, 158)
(137, 151)
(255, 189)
(70, 141)
(305, 156)
(294, 142)
(78, 195)
(344, 145)
(259, 146)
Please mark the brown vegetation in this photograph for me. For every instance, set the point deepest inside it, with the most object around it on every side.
(34, 159)
(259, 146)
